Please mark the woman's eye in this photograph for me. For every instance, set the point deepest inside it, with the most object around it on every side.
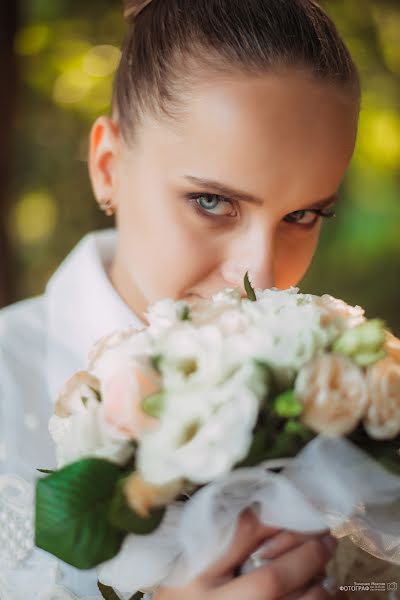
(308, 217)
(213, 205)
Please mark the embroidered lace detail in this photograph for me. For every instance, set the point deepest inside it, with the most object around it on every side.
(61, 593)
(16, 520)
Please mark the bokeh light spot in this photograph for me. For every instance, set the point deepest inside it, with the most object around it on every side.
(71, 87)
(32, 39)
(34, 217)
(101, 61)
(379, 138)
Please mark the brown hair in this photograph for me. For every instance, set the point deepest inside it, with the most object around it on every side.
(170, 43)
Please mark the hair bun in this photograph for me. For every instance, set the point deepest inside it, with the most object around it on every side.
(133, 7)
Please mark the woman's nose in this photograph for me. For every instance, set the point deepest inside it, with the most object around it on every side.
(259, 267)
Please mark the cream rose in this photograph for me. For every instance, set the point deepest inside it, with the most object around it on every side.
(382, 420)
(333, 391)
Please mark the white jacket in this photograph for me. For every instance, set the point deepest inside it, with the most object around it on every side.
(42, 342)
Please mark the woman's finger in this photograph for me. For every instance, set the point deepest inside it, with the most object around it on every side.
(284, 575)
(249, 535)
(282, 542)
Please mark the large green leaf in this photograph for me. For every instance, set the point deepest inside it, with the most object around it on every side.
(125, 518)
(72, 507)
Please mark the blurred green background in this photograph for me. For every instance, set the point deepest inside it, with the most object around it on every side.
(58, 69)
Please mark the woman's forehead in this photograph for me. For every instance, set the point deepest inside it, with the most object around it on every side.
(253, 129)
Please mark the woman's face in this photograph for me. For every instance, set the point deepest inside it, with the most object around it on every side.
(233, 187)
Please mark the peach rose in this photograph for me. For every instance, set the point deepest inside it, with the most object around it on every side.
(143, 496)
(123, 392)
(382, 420)
(333, 391)
(392, 346)
(338, 311)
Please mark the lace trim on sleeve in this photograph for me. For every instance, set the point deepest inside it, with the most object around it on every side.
(16, 520)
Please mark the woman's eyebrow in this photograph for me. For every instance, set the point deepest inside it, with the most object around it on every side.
(225, 190)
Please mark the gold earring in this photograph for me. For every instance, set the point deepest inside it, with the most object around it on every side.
(106, 205)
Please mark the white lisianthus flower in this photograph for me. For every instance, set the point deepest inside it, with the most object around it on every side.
(277, 296)
(79, 429)
(204, 432)
(228, 297)
(290, 337)
(193, 355)
(166, 313)
(223, 310)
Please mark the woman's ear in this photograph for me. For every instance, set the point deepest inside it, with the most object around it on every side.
(104, 150)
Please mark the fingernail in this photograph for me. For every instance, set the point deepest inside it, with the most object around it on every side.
(269, 547)
(330, 543)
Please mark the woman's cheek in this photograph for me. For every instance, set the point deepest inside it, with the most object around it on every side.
(294, 252)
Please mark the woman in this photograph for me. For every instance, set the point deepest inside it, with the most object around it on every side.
(233, 124)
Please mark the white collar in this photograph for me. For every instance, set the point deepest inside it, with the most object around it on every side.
(82, 306)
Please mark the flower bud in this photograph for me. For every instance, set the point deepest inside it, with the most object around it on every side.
(364, 344)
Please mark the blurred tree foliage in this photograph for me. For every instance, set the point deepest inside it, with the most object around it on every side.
(68, 51)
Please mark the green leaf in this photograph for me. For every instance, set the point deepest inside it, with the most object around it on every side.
(257, 451)
(295, 428)
(96, 393)
(364, 343)
(156, 363)
(85, 401)
(107, 592)
(251, 295)
(185, 314)
(123, 517)
(154, 405)
(287, 405)
(72, 507)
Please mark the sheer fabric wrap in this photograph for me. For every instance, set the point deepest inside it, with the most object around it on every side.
(330, 484)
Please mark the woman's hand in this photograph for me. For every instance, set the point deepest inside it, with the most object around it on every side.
(296, 562)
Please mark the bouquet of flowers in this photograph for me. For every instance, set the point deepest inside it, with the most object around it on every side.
(284, 401)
